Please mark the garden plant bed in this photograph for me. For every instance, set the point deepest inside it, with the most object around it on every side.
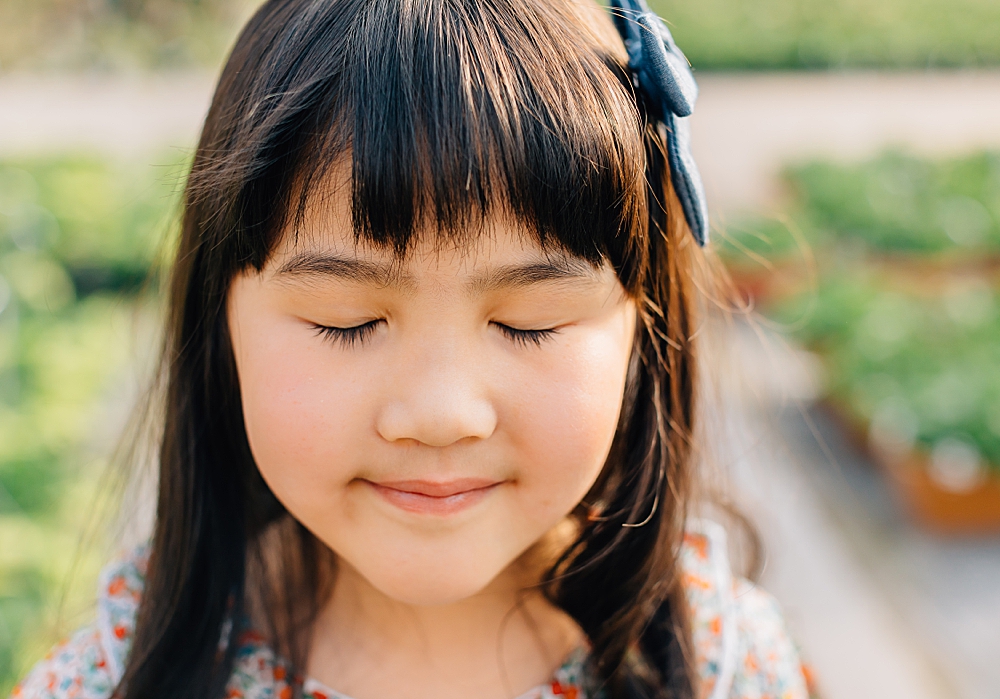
(972, 511)
(78, 236)
(890, 273)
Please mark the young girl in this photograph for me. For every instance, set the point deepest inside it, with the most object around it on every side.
(430, 378)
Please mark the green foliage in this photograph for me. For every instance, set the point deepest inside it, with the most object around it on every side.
(895, 204)
(782, 34)
(906, 316)
(715, 34)
(82, 218)
(122, 35)
(902, 204)
(21, 595)
(926, 365)
(78, 237)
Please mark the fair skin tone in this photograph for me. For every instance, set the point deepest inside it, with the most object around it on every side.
(431, 419)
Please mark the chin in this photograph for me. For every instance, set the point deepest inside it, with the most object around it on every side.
(432, 585)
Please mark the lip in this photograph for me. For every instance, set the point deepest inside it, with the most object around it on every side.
(435, 497)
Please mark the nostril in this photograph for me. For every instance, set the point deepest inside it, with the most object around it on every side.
(437, 423)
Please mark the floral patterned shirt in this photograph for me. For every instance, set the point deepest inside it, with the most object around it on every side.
(742, 648)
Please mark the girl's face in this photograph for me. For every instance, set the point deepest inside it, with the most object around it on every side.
(430, 418)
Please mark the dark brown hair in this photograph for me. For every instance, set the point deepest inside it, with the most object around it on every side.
(449, 111)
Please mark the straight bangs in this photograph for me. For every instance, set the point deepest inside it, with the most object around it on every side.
(449, 112)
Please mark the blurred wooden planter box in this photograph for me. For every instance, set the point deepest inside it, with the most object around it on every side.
(972, 511)
(762, 286)
(975, 511)
(922, 275)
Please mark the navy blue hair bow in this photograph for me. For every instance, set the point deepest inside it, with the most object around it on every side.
(664, 76)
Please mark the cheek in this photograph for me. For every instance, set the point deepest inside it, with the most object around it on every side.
(304, 409)
(563, 418)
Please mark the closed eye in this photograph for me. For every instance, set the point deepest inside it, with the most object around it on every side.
(348, 337)
(525, 337)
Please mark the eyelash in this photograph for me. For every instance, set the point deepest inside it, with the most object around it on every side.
(524, 337)
(348, 337)
(359, 334)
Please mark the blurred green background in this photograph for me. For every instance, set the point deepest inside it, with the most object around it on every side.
(905, 251)
(792, 34)
(901, 297)
(78, 238)
(715, 34)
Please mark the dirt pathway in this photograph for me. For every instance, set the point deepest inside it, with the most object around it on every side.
(748, 126)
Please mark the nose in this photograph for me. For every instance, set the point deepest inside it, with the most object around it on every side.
(437, 398)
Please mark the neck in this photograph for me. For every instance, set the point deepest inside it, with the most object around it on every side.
(496, 644)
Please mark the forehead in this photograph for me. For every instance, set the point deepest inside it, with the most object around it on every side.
(323, 230)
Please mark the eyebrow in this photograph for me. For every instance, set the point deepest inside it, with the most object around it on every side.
(317, 264)
(553, 269)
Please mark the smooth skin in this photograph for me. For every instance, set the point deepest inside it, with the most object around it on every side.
(365, 378)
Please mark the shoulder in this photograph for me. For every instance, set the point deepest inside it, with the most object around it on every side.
(76, 668)
(88, 665)
(741, 644)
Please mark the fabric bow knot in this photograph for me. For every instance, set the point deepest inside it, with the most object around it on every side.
(664, 75)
